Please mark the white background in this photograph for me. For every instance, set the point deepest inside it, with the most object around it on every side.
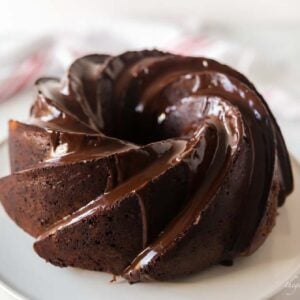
(41, 15)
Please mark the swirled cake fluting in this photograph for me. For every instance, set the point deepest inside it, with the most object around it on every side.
(148, 165)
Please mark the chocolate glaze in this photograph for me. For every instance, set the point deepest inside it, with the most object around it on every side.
(70, 147)
(167, 111)
(162, 157)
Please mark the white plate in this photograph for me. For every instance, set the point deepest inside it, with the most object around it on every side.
(25, 276)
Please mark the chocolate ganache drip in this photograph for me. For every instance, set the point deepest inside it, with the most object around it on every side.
(148, 165)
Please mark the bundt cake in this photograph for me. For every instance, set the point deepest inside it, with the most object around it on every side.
(148, 165)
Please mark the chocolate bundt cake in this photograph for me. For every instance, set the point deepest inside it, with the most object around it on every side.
(148, 165)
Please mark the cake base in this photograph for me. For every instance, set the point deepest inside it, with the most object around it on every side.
(23, 273)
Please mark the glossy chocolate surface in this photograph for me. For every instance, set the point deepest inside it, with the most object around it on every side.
(171, 110)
